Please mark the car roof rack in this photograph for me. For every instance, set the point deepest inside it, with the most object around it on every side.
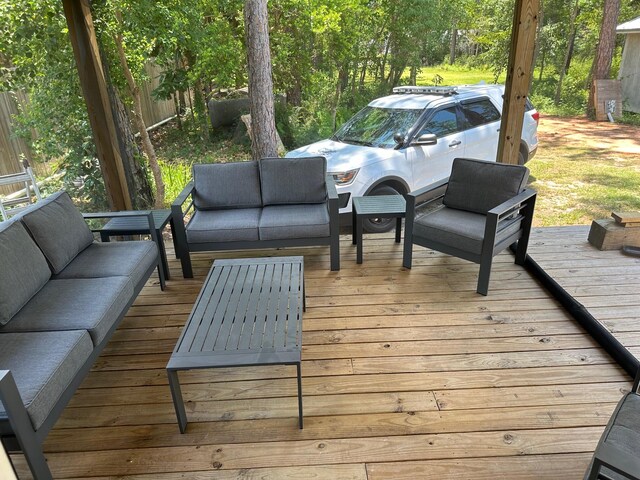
(427, 90)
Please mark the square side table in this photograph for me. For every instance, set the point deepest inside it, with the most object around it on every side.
(376, 206)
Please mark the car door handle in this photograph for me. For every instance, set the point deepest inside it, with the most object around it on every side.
(455, 143)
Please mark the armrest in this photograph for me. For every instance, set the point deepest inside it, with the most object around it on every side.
(184, 194)
(332, 192)
(12, 401)
(636, 382)
(424, 191)
(124, 214)
(512, 203)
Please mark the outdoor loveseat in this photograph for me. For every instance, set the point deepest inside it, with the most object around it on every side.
(62, 295)
(271, 203)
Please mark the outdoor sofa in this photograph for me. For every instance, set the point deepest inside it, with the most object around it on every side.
(62, 295)
(270, 203)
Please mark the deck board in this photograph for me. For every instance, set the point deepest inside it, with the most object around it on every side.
(406, 375)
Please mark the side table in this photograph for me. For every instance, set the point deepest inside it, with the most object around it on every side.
(376, 206)
(140, 226)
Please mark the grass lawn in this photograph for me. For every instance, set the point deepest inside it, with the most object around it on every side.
(455, 75)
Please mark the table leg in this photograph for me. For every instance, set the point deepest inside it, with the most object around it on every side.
(358, 239)
(398, 228)
(354, 216)
(300, 420)
(178, 402)
(163, 255)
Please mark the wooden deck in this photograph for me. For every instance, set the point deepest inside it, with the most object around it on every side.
(406, 375)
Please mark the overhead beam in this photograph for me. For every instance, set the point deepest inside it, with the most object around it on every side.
(94, 89)
(519, 72)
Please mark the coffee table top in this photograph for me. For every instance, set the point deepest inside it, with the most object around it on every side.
(380, 205)
(249, 312)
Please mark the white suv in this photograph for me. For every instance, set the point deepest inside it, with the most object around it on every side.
(408, 140)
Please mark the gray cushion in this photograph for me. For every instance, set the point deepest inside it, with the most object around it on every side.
(92, 304)
(43, 364)
(479, 186)
(226, 185)
(224, 226)
(58, 228)
(293, 180)
(294, 221)
(458, 229)
(128, 259)
(625, 431)
(23, 269)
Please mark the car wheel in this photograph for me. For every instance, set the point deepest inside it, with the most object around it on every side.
(520, 158)
(380, 225)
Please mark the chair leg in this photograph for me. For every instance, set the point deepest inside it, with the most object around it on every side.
(594, 470)
(185, 260)
(483, 276)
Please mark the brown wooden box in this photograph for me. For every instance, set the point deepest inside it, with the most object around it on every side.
(606, 234)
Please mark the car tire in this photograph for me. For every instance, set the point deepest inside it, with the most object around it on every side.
(380, 225)
(520, 158)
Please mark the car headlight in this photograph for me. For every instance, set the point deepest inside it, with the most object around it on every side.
(344, 178)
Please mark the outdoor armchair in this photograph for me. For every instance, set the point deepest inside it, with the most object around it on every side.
(619, 447)
(486, 208)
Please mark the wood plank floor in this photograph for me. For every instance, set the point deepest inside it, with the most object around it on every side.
(407, 374)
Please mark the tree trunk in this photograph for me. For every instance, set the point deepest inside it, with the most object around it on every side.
(604, 52)
(140, 191)
(147, 146)
(263, 142)
(453, 44)
(567, 55)
(536, 51)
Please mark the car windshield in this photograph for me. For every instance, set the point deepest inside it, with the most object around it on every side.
(375, 127)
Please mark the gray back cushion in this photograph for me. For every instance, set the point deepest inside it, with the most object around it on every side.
(58, 228)
(287, 181)
(226, 185)
(478, 186)
(23, 269)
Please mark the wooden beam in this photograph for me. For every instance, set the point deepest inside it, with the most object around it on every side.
(94, 89)
(519, 72)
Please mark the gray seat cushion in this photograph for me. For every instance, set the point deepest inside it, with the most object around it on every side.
(478, 186)
(289, 181)
(294, 221)
(58, 228)
(224, 226)
(92, 304)
(625, 431)
(23, 269)
(43, 364)
(226, 185)
(457, 228)
(127, 259)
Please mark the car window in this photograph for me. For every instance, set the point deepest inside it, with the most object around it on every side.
(480, 112)
(444, 122)
(375, 127)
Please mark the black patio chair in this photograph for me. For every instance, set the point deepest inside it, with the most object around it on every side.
(486, 208)
(617, 456)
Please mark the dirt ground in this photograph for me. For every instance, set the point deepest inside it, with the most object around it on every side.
(557, 131)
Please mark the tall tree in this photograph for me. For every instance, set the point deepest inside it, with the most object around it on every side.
(263, 122)
(604, 52)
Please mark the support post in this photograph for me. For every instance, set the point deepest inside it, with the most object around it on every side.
(519, 72)
(94, 89)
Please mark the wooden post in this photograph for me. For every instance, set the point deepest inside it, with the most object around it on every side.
(94, 88)
(519, 72)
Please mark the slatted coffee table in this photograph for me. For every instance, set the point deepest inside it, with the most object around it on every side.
(249, 312)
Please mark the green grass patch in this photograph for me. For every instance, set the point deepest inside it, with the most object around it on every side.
(455, 75)
(577, 185)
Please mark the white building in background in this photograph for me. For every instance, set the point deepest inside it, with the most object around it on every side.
(629, 74)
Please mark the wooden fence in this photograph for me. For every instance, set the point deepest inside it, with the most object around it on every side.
(13, 149)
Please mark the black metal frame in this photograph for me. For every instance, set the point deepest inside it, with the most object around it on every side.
(16, 429)
(610, 457)
(517, 209)
(184, 248)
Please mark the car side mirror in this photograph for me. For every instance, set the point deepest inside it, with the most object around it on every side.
(398, 138)
(426, 139)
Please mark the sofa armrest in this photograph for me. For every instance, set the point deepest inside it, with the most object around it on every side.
(12, 402)
(177, 217)
(186, 192)
(514, 203)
